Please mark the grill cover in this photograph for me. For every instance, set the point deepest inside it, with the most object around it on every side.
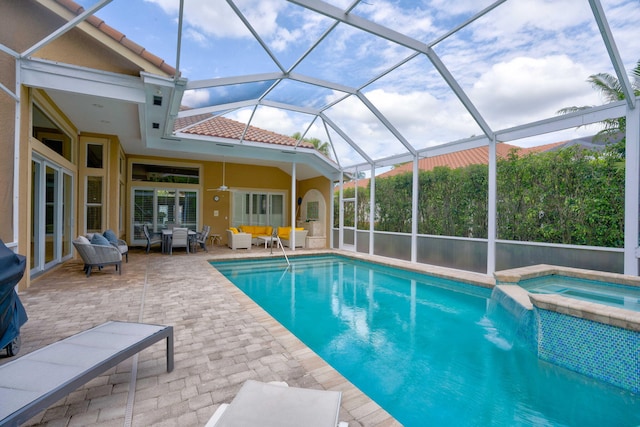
(12, 313)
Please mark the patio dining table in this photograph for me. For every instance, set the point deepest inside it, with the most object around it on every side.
(167, 234)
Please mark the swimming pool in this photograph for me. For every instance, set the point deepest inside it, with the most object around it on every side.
(614, 295)
(423, 348)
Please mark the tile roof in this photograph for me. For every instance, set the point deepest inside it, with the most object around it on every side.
(116, 35)
(459, 159)
(472, 156)
(222, 127)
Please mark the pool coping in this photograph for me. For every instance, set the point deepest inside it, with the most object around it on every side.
(614, 316)
(467, 277)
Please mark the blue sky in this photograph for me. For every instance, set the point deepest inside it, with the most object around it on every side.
(521, 62)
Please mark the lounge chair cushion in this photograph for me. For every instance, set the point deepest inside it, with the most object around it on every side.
(99, 239)
(111, 237)
(271, 405)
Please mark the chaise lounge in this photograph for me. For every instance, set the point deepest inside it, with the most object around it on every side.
(277, 405)
(39, 379)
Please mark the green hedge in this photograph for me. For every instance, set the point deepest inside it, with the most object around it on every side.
(570, 196)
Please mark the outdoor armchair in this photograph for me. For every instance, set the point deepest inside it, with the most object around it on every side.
(285, 237)
(113, 240)
(98, 255)
(237, 240)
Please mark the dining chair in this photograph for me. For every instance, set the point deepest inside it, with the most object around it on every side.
(201, 239)
(152, 238)
(179, 239)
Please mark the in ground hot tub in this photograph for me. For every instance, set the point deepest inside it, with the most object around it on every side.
(584, 320)
(599, 292)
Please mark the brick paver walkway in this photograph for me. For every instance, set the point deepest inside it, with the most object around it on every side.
(221, 339)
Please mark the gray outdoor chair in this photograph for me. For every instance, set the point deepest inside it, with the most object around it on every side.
(115, 242)
(98, 255)
(152, 238)
(179, 239)
(201, 238)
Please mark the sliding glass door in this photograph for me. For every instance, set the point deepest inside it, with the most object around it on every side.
(51, 214)
(159, 207)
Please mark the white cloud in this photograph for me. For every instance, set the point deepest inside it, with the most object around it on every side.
(195, 98)
(272, 119)
(527, 89)
(416, 22)
(547, 15)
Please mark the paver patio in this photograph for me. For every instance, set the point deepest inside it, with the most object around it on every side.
(221, 339)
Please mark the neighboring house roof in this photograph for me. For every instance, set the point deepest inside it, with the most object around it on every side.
(462, 158)
(472, 156)
(222, 127)
(116, 35)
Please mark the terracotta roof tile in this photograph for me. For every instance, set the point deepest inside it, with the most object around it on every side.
(72, 6)
(132, 46)
(95, 21)
(472, 156)
(223, 127)
(119, 37)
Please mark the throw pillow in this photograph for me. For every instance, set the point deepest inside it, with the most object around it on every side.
(111, 237)
(83, 240)
(99, 239)
(233, 230)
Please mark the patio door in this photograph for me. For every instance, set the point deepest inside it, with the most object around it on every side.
(349, 224)
(158, 207)
(51, 214)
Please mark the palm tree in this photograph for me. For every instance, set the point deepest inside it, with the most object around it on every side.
(611, 89)
(322, 147)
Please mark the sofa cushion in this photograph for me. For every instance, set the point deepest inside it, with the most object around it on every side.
(111, 237)
(257, 230)
(99, 239)
(283, 232)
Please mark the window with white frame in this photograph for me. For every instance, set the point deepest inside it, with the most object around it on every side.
(258, 208)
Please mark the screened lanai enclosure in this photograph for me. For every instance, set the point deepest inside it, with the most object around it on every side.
(380, 84)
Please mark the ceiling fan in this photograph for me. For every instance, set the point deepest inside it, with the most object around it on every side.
(223, 187)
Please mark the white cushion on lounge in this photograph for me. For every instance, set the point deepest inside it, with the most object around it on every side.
(275, 405)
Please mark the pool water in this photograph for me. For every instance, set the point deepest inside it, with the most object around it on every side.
(423, 348)
(621, 296)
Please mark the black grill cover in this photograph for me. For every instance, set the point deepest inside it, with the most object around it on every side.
(12, 313)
